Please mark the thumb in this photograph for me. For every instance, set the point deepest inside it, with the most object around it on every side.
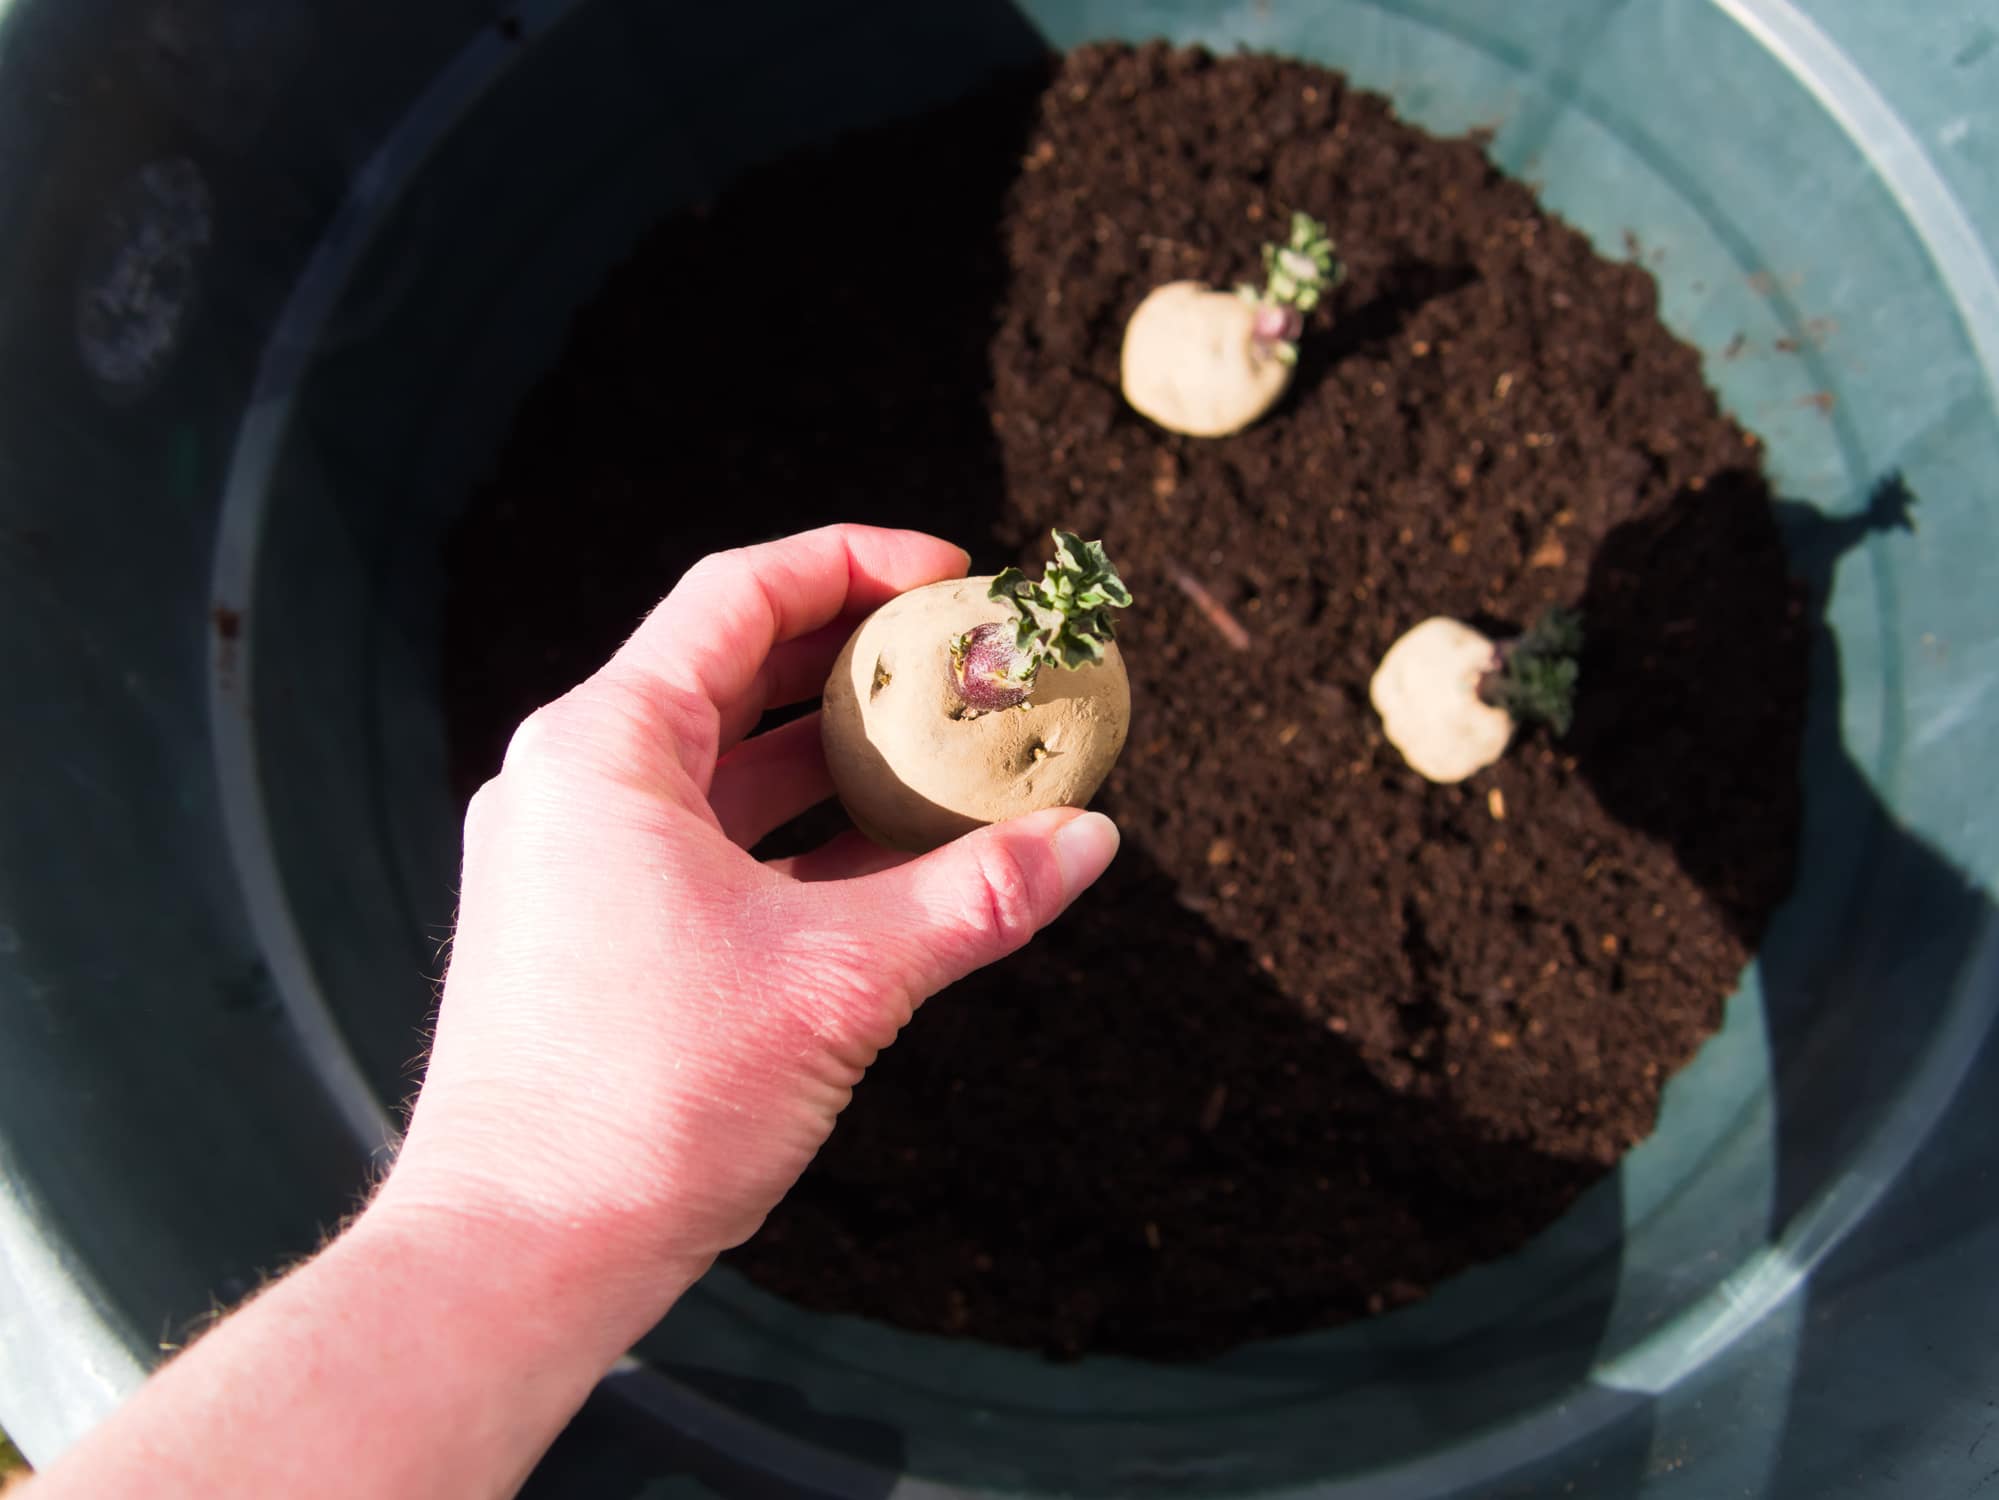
(933, 920)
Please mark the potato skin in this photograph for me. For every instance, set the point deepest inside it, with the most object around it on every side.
(910, 774)
(1191, 363)
(1426, 691)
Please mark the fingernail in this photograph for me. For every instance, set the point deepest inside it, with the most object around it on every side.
(1084, 849)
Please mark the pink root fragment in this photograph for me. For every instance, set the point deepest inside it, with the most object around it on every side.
(1226, 625)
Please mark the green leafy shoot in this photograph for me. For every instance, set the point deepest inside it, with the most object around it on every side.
(1536, 678)
(1298, 272)
(1296, 275)
(1065, 618)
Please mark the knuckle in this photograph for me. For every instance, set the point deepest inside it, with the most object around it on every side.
(1003, 910)
(851, 999)
(552, 752)
(535, 742)
(737, 577)
(482, 809)
(607, 727)
(714, 570)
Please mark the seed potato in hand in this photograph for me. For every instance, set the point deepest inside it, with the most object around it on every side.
(975, 700)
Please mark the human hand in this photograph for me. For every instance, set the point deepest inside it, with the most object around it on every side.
(645, 1034)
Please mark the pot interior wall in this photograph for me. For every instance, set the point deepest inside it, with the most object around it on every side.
(381, 359)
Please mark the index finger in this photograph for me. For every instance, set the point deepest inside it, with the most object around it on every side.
(710, 638)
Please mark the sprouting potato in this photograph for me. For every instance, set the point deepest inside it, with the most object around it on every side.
(979, 699)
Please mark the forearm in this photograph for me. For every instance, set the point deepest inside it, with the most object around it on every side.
(413, 1357)
(644, 1038)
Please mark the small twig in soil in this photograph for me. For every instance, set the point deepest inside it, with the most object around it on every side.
(1211, 1110)
(1226, 625)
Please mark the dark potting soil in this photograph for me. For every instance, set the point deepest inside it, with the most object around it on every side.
(1326, 1033)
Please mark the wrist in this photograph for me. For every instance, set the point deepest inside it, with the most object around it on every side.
(579, 1286)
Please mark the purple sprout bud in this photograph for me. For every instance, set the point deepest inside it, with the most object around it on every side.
(1277, 325)
(1062, 621)
(989, 670)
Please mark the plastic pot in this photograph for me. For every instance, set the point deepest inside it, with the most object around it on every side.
(274, 273)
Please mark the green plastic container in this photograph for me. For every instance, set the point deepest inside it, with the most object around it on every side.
(273, 274)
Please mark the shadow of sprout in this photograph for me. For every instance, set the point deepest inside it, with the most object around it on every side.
(1691, 715)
